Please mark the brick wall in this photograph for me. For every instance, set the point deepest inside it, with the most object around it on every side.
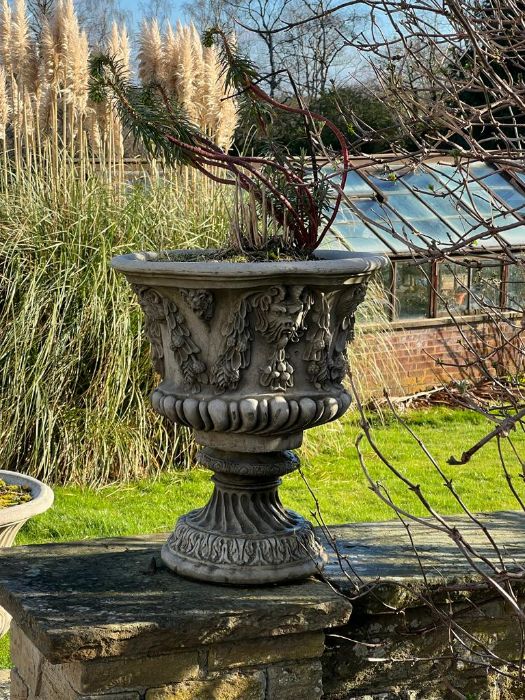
(422, 355)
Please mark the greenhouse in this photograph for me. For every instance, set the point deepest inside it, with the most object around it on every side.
(397, 209)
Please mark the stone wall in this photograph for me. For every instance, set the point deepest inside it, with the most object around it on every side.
(94, 621)
(283, 668)
(418, 662)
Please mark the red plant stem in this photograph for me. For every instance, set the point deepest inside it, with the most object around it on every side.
(288, 174)
(223, 160)
(262, 95)
(241, 178)
(333, 128)
(217, 158)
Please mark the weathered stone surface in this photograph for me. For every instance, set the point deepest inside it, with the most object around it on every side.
(244, 535)
(348, 672)
(51, 684)
(28, 658)
(231, 686)
(18, 688)
(5, 681)
(253, 643)
(253, 652)
(381, 554)
(294, 681)
(102, 676)
(99, 599)
(12, 519)
(99, 676)
(111, 696)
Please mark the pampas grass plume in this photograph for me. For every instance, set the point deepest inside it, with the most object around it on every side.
(4, 104)
(150, 53)
(19, 40)
(6, 28)
(46, 83)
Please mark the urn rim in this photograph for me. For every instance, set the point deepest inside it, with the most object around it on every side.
(41, 498)
(332, 262)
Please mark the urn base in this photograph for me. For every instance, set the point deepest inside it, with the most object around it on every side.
(244, 535)
(298, 555)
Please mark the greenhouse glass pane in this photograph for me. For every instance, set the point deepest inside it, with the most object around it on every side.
(408, 206)
(444, 206)
(485, 286)
(435, 230)
(482, 202)
(472, 193)
(496, 181)
(452, 289)
(420, 181)
(516, 287)
(412, 290)
(375, 211)
(513, 199)
(486, 174)
(447, 175)
(387, 222)
(388, 183)
(355, 185)
(515, 235)
(359, 237)
(332, 242)
(458, 181)
(511, 196)
(346, 213)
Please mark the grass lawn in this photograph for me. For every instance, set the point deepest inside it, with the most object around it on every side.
(331, 466)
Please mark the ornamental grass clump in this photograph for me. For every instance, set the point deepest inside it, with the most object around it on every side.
(283, 205)
(73, 365)
(13, 495)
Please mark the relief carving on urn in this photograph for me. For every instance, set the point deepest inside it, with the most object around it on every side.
(297, 382)
(277, 314)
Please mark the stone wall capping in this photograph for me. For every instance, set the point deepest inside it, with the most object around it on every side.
(98, 599)
(382, 556)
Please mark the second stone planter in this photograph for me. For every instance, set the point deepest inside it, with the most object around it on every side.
(12, 518)
(250, 355)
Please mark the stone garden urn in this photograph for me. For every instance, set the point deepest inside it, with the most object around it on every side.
(12, 518)
(250, 355)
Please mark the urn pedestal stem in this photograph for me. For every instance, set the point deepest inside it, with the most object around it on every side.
(244, 535)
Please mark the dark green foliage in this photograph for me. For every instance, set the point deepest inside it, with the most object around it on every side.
(501, 125)
(352, 109)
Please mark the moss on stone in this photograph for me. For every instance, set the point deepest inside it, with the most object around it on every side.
(13, 495)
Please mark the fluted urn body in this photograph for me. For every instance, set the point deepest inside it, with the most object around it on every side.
(250, 355)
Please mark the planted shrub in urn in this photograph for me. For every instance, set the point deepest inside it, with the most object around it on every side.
(250, 341)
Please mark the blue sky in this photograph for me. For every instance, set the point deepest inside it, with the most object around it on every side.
(133, 6)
